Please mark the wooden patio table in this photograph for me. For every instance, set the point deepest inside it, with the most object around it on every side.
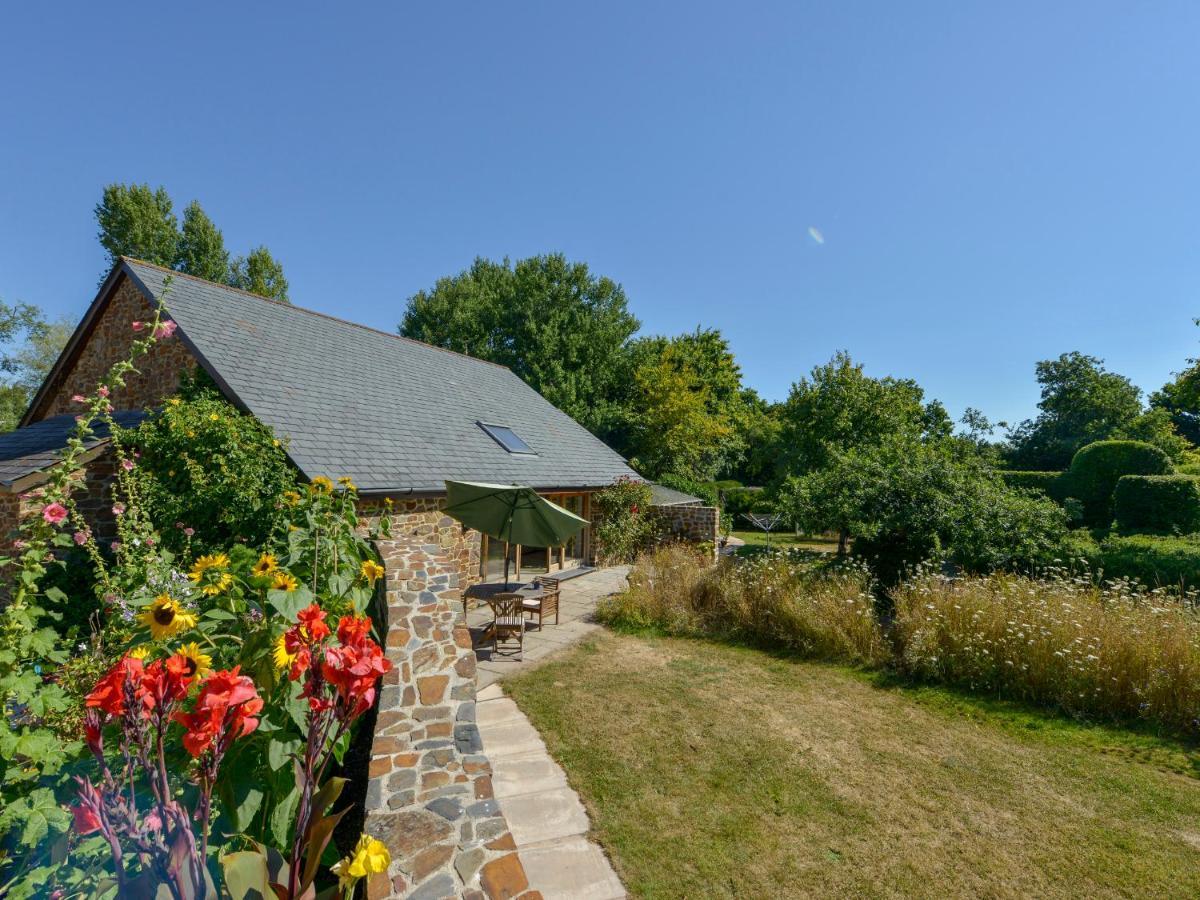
(487, 591)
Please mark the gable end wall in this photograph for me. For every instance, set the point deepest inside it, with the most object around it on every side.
(108, 343)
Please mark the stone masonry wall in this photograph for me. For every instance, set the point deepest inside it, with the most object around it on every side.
(109, 343)
(696, 524)
(429, 797)
(424, 518)
(93, 497)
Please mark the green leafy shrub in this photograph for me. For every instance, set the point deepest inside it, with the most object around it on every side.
(1187, 469)
(623, 524)
(1157, 561)
(742, 500)
(211, 469)
(776, 599)
(1158, 504)
(1098, 467)
(1051, 484)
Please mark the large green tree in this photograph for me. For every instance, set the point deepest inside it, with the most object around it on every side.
(686, 409)
(1082, 402)
(561, 328)
(259, 273)
(201, 251)
(29, 346)
(139, 222)
(838, 407)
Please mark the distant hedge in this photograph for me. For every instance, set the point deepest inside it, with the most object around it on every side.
(1187, 469)
(1098, 467)
(1158, 504)
(1151, 559)
(1051, 484)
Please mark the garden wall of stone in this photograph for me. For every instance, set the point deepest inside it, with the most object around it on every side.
(696, 524)
(429, 797)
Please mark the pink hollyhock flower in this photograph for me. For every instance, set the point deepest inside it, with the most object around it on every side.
(54, 513)
(127, 465)
(189, 531)
(102, 390)
(139, 326)
(165, 329)
(81, 537)
(118, 509)
(115, 545)
(79, 398)
(19, 544)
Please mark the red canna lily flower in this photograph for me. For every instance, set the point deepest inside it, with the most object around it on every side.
(312, 620)
(226, 709)
(86, 820)
(353, 629)
(109, 693)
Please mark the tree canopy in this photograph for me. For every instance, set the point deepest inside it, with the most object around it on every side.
(140, 222)
(564, 330)
(30, 345)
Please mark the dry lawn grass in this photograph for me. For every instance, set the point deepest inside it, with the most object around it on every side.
(718, 771)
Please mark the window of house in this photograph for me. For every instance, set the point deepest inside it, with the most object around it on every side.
(507, 438)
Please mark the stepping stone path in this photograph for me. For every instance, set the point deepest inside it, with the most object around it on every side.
(545, 817)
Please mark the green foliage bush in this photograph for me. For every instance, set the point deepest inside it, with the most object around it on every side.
(1154, 560)
(1158, 504)
(1098, 467)
(212, 469)
(705, 490)
(742, 500)
(623, 524)
(1051, 484)
(1187, 469)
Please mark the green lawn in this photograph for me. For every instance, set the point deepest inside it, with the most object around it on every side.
(755, 540)
(717, 771)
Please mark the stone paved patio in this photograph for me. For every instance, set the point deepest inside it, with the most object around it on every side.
(546, 819)
(576, 605)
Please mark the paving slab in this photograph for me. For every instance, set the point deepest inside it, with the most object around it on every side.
(525, 773)
(545, 816)
(571, 869)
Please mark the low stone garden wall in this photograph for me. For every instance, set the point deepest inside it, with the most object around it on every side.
(695, 524)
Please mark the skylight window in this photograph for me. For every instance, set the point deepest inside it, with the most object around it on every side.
(507, 438)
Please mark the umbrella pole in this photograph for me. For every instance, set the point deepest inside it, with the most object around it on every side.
(507, 547)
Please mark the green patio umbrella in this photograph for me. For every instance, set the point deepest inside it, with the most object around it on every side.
(509, 512)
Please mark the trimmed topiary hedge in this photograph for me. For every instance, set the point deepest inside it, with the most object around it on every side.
(1051, 484)
(1098, 467)
(1158, 504)
(1154, 560)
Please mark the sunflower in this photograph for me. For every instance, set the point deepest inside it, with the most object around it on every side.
(283, 659)
(201, 662)
(291, 498)
(321, 485)
(209, 574)
(141, 651)
(347, 483)
(266, 564)
(166, 617)
(370, 570)
(283, 581)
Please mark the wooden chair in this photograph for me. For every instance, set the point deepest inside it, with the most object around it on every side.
(546, 602)
(509, 621)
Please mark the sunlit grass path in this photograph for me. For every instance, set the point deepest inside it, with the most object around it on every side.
(711, 770)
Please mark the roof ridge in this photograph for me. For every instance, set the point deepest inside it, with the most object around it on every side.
(312, 312)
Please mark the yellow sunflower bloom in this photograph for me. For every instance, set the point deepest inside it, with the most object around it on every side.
(283, 581)
(369, 857)
(347, 483)
(208, 573)
(266, 564)
(201, 662)
(291, 498)
(321, 485)
(166, 617)
(141, 651)
(371, 570)
(283, 659)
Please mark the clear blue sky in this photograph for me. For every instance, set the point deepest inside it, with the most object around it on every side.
(995, 183)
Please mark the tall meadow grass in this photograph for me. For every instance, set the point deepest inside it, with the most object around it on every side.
(1115, 651)
(776, 599)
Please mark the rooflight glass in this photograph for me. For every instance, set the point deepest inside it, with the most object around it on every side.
(507, 438)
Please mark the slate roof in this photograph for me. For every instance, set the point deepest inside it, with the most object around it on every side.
(393, 414)
(36, 447)
(661, 495)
